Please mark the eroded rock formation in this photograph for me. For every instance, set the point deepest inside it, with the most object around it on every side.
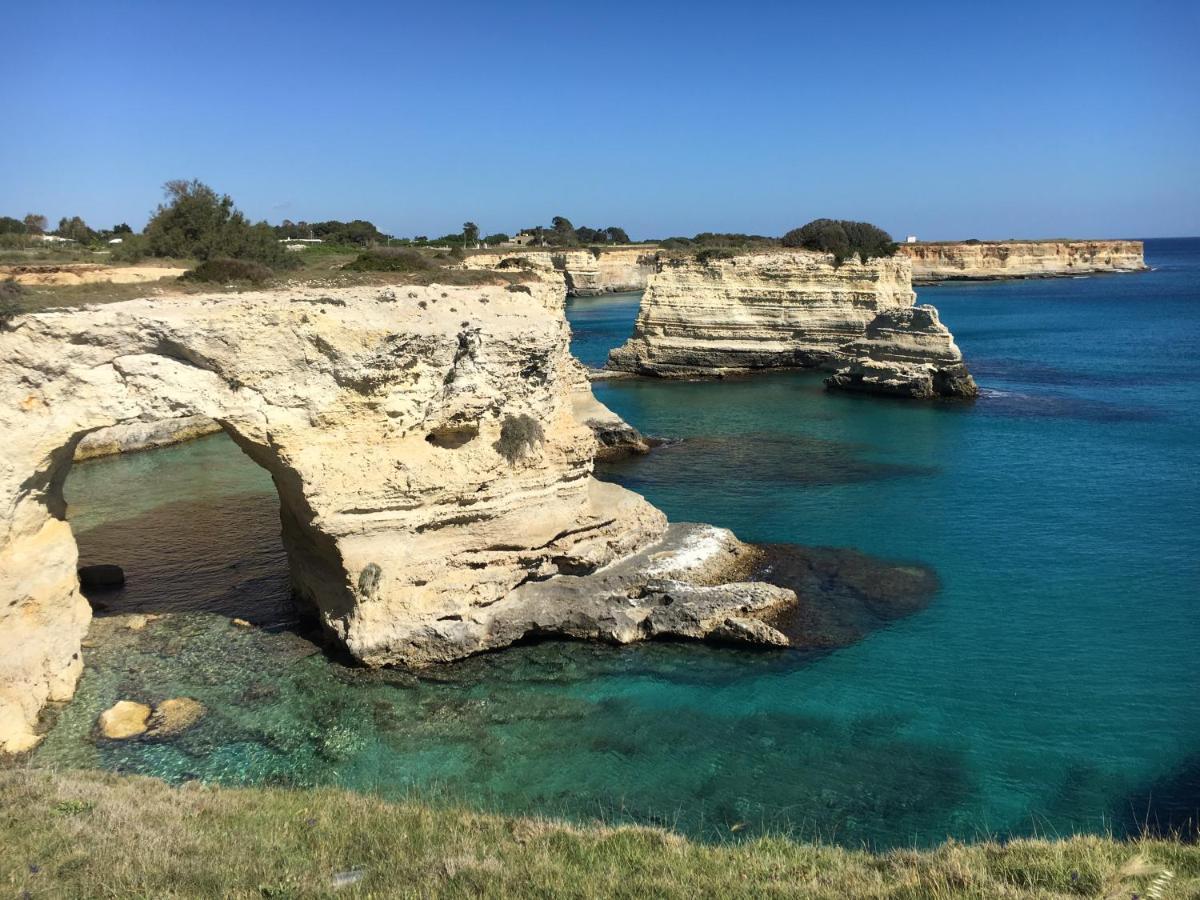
(906, 353)
(794, 309)
(587, 273)
(984, 260)
(131, 437)
(435, 483)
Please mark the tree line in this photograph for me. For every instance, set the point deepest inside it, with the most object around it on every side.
(194, 221)
(843, 238)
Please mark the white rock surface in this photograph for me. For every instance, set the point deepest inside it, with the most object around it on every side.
(1021, 259)
(131, 437)
(779, 309)
(906, 353)
(586, 273)
(414, 529)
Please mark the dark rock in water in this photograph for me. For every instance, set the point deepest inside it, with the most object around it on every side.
(101, 577)
(843, 595)
(758, 458)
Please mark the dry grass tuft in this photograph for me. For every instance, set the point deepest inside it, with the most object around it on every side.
(89, 834)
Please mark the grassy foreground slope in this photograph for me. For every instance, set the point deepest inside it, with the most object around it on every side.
(89, 834)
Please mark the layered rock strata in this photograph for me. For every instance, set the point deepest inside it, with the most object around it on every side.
(435, 483)
(906, 353)
(587, 273)
(986, 260)
(786, 309)
(134, 436)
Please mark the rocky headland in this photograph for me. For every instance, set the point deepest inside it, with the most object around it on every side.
(991, 260)
(587, 272)
(434, 475)
(792, 309)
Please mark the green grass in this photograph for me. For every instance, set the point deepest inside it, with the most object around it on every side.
(89, 834)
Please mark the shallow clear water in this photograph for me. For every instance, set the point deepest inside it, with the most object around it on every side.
(1051, 686)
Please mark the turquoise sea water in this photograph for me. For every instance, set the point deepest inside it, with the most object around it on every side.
(1051, 686)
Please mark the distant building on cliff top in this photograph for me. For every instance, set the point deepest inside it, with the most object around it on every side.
(522, 239)
(911, 239)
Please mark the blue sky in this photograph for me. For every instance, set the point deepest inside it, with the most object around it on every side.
(947, 120)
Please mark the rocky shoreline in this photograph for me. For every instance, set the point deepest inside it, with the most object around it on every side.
(432, 460)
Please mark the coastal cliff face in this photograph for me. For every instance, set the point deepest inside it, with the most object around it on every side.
(906, 353)
(795, 309)
(765, 310)
(587, 274)
(435, 483)
(1021, 259)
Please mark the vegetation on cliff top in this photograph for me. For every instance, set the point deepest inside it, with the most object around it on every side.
(90, 834)
(198, 223)
(843, 238)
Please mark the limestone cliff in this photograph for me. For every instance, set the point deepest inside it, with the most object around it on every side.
(435, 486)
(781, 309)
(587, 273)
(794, 309)
(984, 260)
(906, 353)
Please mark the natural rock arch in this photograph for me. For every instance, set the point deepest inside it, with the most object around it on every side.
(395, 534)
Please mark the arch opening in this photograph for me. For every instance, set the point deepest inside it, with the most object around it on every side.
(194, 527)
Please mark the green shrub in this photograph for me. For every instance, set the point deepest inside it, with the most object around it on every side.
(132, 249)
(842, 238)
(390, 259)
(11, 293)
(708, 254)
(199, 223)
(519, 289)
(224, 271)
(517, 433)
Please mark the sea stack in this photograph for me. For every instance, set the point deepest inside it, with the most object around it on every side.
(704, 316)
(906, 353)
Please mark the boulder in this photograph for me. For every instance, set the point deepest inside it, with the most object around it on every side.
(174, 716)
(124, 719)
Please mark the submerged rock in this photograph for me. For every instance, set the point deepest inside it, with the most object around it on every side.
(842, 594)
(124, 719)
(174, 716)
